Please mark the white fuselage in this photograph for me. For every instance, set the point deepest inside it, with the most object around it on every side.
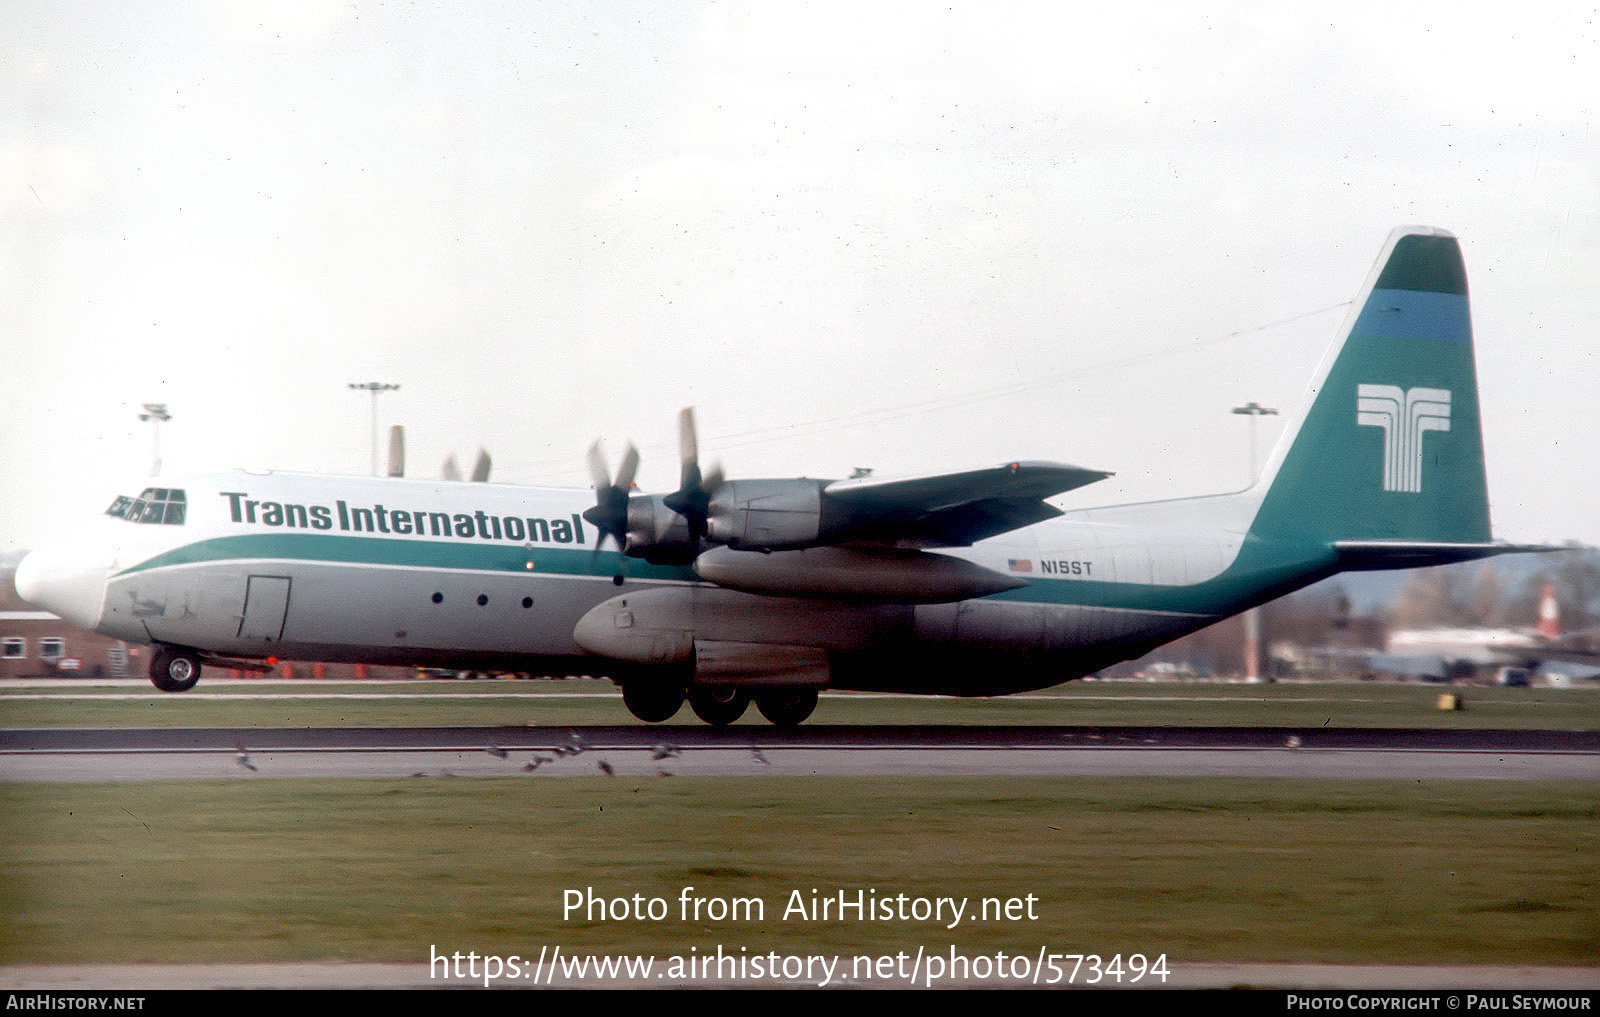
(454, 574)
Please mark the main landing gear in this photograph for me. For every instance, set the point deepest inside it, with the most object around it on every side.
(718, 706)
(173, 669)
(787, 707)
(652, 703)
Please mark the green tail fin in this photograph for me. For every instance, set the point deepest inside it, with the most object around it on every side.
(1390, 449)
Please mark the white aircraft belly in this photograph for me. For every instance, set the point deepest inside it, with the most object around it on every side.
(396, 607)
(354, 606)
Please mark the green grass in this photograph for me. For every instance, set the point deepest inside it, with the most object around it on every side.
(1461, 872)
(455, 703)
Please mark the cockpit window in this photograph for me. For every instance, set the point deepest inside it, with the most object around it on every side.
(161, 505)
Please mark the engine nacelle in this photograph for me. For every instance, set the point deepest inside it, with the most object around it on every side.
(656, 533)
(768, 514)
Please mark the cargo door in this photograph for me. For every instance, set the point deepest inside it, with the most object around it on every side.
(266, 604)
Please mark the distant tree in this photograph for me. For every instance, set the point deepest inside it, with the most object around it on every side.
(1310, 617)
(1488, 606)
(1428, 599)
(1457, 596)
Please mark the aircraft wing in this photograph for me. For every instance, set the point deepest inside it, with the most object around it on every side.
(956, 509)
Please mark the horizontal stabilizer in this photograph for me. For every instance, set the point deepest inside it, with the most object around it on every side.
(1359, 555)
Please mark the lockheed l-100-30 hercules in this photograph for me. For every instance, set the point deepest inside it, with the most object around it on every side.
(727, 590)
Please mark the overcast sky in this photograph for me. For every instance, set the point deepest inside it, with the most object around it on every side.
(899, 236)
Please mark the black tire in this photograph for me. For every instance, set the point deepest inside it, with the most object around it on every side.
(174, 670)
(787, 707)
(652, 703)
(719, 707)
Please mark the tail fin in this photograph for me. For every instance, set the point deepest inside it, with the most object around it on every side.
(1390, 451)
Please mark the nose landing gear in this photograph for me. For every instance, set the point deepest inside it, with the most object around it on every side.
(173, 669)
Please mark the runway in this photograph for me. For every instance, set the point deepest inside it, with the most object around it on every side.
(95, 754)
(639, 754)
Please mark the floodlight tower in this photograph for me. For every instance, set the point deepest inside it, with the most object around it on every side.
(156, 414)
(1254, 411)
(1252, 619)
(377, 388)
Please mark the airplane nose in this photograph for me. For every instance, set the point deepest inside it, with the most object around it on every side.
(66, 580)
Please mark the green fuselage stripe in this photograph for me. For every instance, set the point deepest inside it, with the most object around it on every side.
(421, 554)
(1262, 568)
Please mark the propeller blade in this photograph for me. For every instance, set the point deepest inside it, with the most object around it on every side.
(599, 474)
(692, 499)
(688, 449)
(630, 467)
(609, 514)
(480, 469)
(397, 451)
(451, 471)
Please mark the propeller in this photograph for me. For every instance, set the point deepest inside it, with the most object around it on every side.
(397, 451)
(692, 499)
(480, 469)
(652, 533)
(609, 514)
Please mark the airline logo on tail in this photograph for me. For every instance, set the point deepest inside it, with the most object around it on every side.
(1405, 416)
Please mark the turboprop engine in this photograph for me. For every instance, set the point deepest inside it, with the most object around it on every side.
(762, 515)
(768, 515)
(656, 532)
